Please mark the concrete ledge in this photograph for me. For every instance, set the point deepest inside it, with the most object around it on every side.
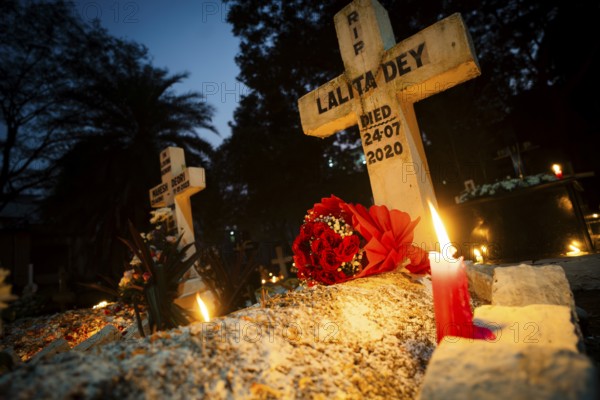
(476, 369)
(539, 324)
(523, 285)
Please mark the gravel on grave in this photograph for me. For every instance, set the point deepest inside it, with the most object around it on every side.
(369, 338)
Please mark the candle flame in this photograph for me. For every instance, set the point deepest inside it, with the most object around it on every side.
(477, 253)
(440, 231)
(556, 168)
(203, 308)
(446, 247)
(574, 248)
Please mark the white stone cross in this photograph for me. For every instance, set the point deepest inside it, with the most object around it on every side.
(281, 261)
(381, 82)
(179, 183)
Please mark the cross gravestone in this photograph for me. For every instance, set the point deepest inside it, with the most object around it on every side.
(281, 261)
(381, 82)
(179, 183)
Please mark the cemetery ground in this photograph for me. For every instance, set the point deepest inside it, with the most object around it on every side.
(297, 362)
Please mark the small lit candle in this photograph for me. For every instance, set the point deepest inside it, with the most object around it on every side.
(575, 250)
(451, 300)
(478, 256)
(557, 170)
(203, 309)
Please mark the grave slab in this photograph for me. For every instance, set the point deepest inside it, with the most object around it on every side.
(524, 285)
(463, 369)
(538, 324)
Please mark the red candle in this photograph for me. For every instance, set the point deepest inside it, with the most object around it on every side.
(451, 299)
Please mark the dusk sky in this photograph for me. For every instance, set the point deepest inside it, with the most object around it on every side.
(182, 35)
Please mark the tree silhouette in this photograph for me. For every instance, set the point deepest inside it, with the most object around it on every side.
(39, 42)
(127, 112)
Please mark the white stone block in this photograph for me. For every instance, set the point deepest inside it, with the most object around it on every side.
(539, 324)
(477, 369)
(524, 285)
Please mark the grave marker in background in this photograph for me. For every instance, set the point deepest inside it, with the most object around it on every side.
(179, 183)
(381, 82)
(281, 261)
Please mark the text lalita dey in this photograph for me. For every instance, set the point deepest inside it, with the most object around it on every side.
(392, 69)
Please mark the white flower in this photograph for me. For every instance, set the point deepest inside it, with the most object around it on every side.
(160, 215)
(127, 276)
(134, 262)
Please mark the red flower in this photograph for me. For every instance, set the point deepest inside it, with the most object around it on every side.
(329, 206)
(318, 228)
(321, 254)
(301, 249)
(328, 260)
(319, 245)
(348, 248)
(332, 238)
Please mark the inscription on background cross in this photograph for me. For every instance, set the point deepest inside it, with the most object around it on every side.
(381, 82)
(179, 183)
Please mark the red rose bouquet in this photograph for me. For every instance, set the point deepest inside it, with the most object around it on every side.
(340, 241)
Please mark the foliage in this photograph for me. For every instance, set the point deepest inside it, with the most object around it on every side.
(505, 186)
(231, 288)
(155, 278)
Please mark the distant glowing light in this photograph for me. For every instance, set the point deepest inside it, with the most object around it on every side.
(575, 248)
(478, 256)
(231, 233)
(263, 281)
(594, 215)
(102, 304)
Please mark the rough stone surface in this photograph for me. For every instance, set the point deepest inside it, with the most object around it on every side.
(523, 285)
(476, 369)
(369, 338)
(539, 324)
(481, 277)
